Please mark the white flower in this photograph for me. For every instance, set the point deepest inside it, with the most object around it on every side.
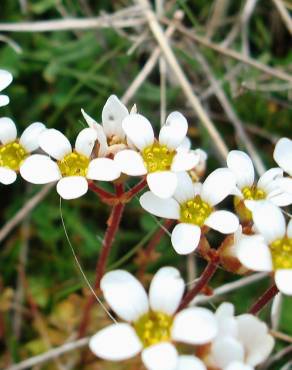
(5, 80)
(271, 250)
(110, 134)
(283, 157)
(267, 187)
(193, 205)
(242, 342)
(14, 151)
(160, 160)
(72, 168)
(151, 323)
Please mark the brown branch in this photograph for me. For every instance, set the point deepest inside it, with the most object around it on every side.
(264, 300)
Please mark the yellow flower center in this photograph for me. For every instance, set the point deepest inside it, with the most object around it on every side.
(158, 157)
(195, 211)
(281, 250)
(249, 193)
(12, 155)
(154, 327)
(74, 164)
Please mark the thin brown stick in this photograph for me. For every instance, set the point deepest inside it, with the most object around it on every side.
(230, 112)
(129, 17)
(277, 73)
(50, 355)
(284, 14)
(182, 79)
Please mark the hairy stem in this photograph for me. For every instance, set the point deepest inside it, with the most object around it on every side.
(201, 283)
(113, 226)
(264, 300)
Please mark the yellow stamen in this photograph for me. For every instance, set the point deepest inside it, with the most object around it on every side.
(158, 157)
(74, 164)
(195, 211)
(154, 327)
(249, 193)
(12, 155)
(281, 250)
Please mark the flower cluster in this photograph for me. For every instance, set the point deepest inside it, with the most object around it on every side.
(257, 234)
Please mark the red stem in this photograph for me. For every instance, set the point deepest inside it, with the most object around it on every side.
(113, 226)
(201, 283)
(135, 190)
(264, 300)
(103, 194)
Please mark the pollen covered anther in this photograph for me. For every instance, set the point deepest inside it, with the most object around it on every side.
(74, 164)
(195, 211)
(158, 157)
(154, 327)
(12, 155)
(281, 251)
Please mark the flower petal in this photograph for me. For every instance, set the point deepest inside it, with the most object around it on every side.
(139, 130)
(85, 141)
(194, 325)
(226, 350)
(72, 187)
(253, 334)
(286, 184)
(8, 131)
(217, 186)
(55, 143)
(253, 253)
(283, 154)
(223, 221)
(185, 188)
(269, 221)
(112, 115)
(162, 356)
(7, 176)
(174, 131)
(166, 290)
(186, 144)
(238, 366)
(162, 183)
(103, 169)
(186, 362)
(166, 208)
(283, 280)
(130, 162)
(185, 161)
(30, 136)
(5, 79)
(242, 167)
(227, 325)
(185, 238)
(40, 169)
(116, 342)
(267, 180)
(125, 295)
(4, 100)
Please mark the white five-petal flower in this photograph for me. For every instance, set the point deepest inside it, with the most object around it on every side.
(151, 323)
(271, 248)
(72, 168)
(283, 157)
(5, 80)
(267, 187)
(14, 151)
(242, 342)
(193, 205)
(110, 134)
(159, 160)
